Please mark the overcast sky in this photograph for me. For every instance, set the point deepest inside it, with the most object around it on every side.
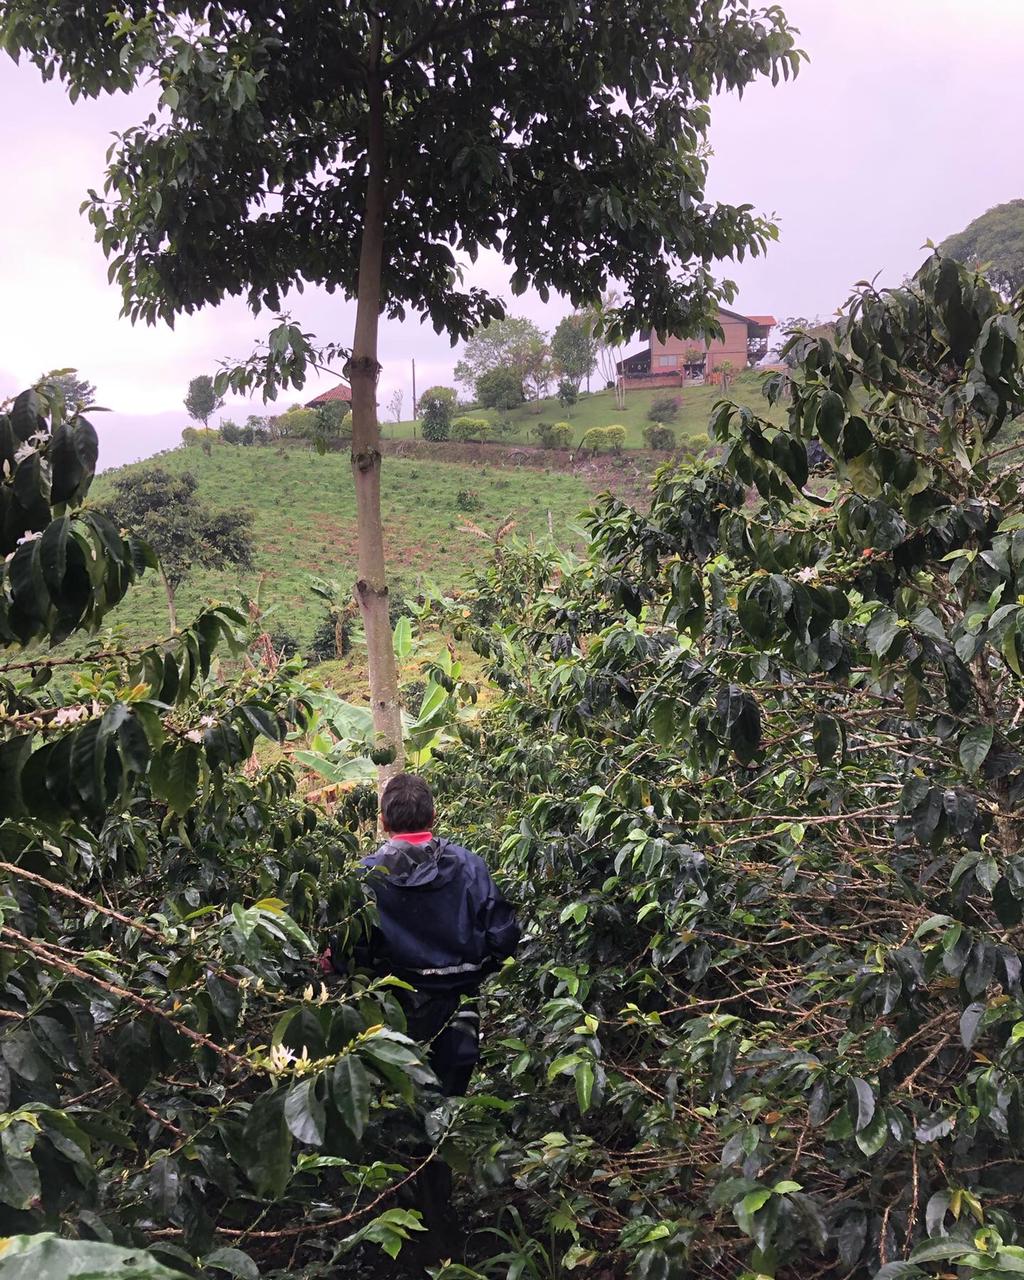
(901, 128)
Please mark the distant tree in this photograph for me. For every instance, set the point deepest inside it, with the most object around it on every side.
(76, 392)
(500, 389)
(814, 328)
(538, 375)
(329, 426)
(202, 401)
(259, 425)
(568, 394)
(993, 243)
(164, 510)
(607, 344)
(395, 405)
(574, 349)
(230, 431)
(436, 406)
(726, 369)
(413, 128)
(510, 343)
(447, 394)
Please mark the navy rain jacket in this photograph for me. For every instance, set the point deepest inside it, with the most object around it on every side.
(444, 926)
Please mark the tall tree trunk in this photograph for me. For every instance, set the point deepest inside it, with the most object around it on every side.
(371, 590)
(172, 612)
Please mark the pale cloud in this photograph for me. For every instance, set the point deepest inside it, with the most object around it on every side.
(901, 128)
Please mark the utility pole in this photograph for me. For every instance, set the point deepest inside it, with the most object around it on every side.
(414, 399)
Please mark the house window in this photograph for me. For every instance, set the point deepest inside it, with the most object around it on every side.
(667, 362)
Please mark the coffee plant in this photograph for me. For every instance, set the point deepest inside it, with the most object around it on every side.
(174, 1075)
(759, 773)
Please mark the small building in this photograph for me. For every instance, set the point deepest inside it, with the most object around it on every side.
(341, 392)
(671, 363)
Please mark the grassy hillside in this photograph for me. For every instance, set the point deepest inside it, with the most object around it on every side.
(304, 524)
(598, 410)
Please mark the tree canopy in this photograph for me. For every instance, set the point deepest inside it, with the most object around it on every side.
(164, 511)
(202, 400)
(478, 108)
(994, 242)
(574, 349)
(364, 151)
(513, 343)
(500, 388)
(78, 393)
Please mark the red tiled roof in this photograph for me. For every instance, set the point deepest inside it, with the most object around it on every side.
(341, 392)
(769, 322)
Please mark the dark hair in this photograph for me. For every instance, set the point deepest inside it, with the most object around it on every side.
(407, 804)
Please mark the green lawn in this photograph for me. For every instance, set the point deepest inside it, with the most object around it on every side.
(305, 525)
(598, 410)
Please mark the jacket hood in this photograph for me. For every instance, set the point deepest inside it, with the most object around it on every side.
(414, 866)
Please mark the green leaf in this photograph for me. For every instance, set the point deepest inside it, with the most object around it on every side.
(133, 1057)
(663, 722)
(827, 736)
(970, 1021)
(584, 1086)
(19, 1177)
(174, 775)
(304, 1113)
(975, 746)
(351, 1090)
(165, 1187)
(48, 1257)
(266, 1145)
(874, 1135)
(755, 1200)
(934, 1127)
(881, 631)
(864, 1102)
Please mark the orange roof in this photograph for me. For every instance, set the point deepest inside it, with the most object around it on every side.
(768, 322)
(341, 392)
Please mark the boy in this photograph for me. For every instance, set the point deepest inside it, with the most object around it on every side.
(443, 927)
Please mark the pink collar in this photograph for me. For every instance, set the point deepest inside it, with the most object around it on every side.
(413, 837)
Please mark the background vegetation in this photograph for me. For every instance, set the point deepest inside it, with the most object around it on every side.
(303, 512)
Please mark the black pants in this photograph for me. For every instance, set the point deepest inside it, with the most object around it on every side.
(452, 1031)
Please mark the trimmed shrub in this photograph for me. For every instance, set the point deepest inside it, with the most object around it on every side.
(466, 428)
(664, 409)
(554, 435)
(193, 436)
(604, 438)
(436, 413)
(658, 436)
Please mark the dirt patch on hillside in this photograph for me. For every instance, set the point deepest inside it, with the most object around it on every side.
(626, 474)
